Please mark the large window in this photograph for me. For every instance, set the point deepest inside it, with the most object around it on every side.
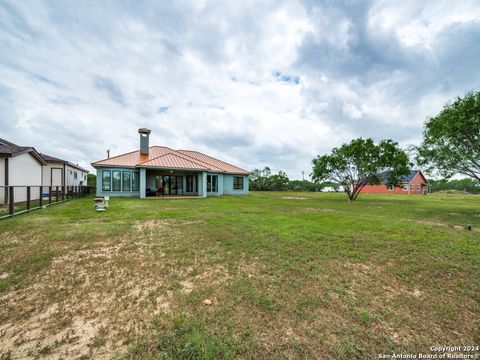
(106, 180)
(412, 187)
(212, 181)
(238, 183)
(116, 181)
(136, 181)
(126, 177)
(75, 175)
(189, 183)
(405, 187)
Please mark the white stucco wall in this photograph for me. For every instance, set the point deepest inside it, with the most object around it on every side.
(2, 171)
(70, 176)
(24, 170)
(47, 173)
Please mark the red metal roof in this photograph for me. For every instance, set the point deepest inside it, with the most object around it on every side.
(164, 157)
(175, 161)
(222, 165)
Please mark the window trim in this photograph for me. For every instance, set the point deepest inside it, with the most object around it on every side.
(109, 182)
(129, 180)
(210, 189)
(412, 187)
(187, 187)
(238, 185)
(135, 174)
(419, 187)
(113, 182)
(405, 187)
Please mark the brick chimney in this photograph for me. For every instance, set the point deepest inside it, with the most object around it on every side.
(144, 140)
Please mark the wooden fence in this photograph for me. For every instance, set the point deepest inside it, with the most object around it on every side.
(15, 200)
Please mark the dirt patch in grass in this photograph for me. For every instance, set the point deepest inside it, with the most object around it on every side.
(312, 209)
(446, 225)
(162, 223)
(91, 300)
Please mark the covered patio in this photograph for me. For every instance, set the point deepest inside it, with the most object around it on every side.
(175, 183)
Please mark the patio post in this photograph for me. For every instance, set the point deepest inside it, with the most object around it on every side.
(143, 183)
(204, 184)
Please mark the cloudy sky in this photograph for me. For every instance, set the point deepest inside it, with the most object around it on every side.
(254, 83)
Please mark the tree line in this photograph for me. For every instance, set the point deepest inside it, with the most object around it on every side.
(450, 146)
(265, 180)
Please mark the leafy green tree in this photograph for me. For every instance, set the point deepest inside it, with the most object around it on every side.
(360, 163)
(451, 140)
(466, 185)
(279, 182)
(91, 179)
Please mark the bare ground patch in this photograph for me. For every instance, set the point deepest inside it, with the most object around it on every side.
(293, 198)
(90, 301)
(447, 225)
(313, 209)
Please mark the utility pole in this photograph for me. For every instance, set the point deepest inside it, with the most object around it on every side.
(303, 175)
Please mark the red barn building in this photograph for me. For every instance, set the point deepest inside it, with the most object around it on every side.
(413, 183)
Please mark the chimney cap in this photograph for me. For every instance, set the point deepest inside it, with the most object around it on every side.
(144, 131)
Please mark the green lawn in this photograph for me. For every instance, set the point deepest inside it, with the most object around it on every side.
(289, 275)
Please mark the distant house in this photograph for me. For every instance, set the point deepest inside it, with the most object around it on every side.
(413, 183)
(60, 172)
(19, 166)
(161, 171)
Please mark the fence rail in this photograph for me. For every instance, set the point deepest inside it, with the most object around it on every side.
(15, 200)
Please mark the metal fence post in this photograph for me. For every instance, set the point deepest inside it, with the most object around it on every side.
(49, 194)
(40, 200)
(56, 196)
(29, 198)
(11, 201)
(63, 193)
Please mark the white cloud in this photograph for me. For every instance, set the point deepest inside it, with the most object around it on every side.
(253, 83)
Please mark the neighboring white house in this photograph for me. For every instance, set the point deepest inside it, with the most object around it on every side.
(23, 166)
(19, 166)
(60, 172)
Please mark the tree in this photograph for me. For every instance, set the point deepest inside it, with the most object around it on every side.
(91, 179)
(451, 140)
(264, 180)
(360, 163)
(279, 182)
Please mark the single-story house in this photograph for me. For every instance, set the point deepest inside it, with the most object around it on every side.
(60, 172)
(162, 171)
(19, 166)
(413, 183)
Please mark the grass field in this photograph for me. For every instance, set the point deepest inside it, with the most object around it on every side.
(289, 275)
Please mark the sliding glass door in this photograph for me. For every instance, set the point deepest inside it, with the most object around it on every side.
(169, 185)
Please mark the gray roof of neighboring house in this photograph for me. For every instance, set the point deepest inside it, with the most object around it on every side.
(10, 149)
(53, 159)
(407, 178)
